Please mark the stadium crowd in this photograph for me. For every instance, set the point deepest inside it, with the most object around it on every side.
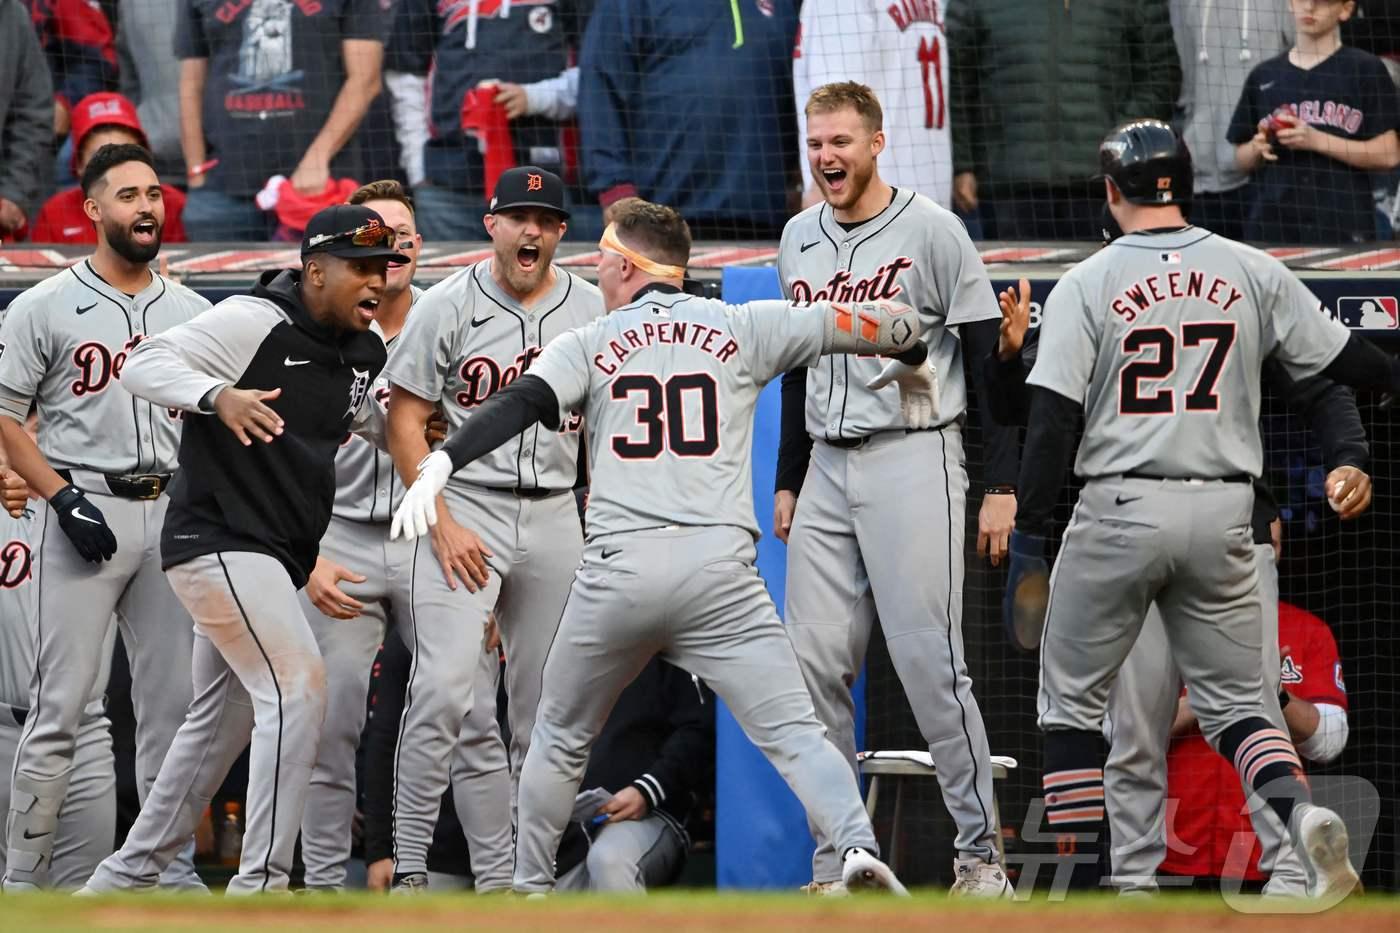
(258, 112)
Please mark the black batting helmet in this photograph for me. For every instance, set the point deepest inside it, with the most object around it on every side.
(1148, 162)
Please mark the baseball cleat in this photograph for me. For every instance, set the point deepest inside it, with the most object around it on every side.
(414, 882)
(1320, 839)
(979, 878)
(863, 872)
(825, 889)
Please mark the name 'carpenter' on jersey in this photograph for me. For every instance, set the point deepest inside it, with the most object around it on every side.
(675, 333)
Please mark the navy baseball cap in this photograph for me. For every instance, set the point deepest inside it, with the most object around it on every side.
(351, 231)
(529, 186)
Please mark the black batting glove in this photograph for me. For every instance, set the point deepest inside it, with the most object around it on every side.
(84, 524)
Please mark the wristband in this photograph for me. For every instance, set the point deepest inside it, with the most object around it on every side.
(201, 168)
(1000, 489)
(1283, 697)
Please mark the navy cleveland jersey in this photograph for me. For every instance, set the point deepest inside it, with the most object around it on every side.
(1305, 196)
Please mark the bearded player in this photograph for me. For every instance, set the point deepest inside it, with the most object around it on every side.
(855, 550)
(102, 464)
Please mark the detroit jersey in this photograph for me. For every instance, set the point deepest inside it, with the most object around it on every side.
(1177, 324)
(900, 50)
(367, 489)
(467, 339)
(64, 343)
(668, 386)
(914, 252)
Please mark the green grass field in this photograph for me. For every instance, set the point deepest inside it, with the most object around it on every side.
(679, 912)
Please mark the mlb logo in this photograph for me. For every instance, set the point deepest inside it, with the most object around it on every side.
(1170, 259)
(1377, 313)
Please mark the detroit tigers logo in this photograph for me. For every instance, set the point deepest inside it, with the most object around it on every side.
(482, 377)
(98, 366)
(881, 285)
(534, 182)
(359, 388)
(16, 564)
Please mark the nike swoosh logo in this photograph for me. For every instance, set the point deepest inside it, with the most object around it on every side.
(613, 553)
(29, 835)
(1266, 85)
(807, 246)
(476, 323)
(77, 513)
(291, 362)
(84, 310)
(1121, 501)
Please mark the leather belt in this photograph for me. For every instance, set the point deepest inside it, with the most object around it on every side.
(853, 443)
(521, 492)
(124, 486)
(1232, 478)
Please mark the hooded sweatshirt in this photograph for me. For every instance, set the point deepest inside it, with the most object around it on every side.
(270, 498)
(1220, 43)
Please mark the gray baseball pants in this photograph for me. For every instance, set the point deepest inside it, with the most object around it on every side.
(879, 531)
(258, 674)
(1141, 707)
(74, 608)
(693, 596)
(536, 545)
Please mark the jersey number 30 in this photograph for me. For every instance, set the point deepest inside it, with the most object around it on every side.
(1160, 342)
(661, 414)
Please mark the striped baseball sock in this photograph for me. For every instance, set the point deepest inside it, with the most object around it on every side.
(1267, 762)
(1074, 804)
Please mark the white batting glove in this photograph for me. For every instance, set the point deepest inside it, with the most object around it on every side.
(918, 391)
(418, 511)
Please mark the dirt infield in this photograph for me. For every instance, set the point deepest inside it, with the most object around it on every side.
(670, 913)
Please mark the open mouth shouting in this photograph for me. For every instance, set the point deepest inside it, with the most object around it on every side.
(835, 179)
(145, 232)
(528, 257)
(367, 307)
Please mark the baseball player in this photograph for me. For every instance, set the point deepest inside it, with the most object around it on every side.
(102, 463)
(286, 370)
(349, 599)
(88, 819)
(668, 383)
(507, 535)
(1159, 339)
(854, 549)
(1143, 700)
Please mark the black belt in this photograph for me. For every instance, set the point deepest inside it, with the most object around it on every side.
(19, 713)
(852, 443)
(521, 492)
(1232, 478)
(131, 485)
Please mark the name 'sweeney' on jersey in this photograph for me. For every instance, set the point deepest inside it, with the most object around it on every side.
(1184, 283)
(681, 333)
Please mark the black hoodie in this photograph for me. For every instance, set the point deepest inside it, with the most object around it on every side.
(271, 498)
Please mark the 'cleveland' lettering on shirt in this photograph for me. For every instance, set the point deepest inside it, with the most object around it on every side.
(1186, 283)
(680, 333)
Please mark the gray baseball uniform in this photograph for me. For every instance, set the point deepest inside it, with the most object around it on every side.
(1161, 337)
(367, 490)
(87, 822)
(466, 339)
(65, 343)
(854, 550)
(668, 386)
(1141, 707)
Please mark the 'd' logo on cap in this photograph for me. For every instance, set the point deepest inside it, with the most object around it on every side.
(534, 182)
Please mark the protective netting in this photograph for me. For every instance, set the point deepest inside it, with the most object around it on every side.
(993, 108)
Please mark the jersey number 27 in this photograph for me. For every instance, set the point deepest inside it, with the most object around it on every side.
(1154, 352)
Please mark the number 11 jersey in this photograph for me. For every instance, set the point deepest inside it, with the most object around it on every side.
(1161, 336)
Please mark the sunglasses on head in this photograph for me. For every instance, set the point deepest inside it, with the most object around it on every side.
(370, 234)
